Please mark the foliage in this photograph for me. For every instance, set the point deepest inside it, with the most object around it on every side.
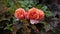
(9, 27)
(50, 22)
(45, 9)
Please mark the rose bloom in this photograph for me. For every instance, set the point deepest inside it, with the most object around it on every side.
(19, 13)
(35, 15)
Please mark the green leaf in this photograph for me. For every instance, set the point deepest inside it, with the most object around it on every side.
(8, 27)
(44, 8)
(39, 6)
(48, 13)
(12, 10)
(26, 8)
(29, 5)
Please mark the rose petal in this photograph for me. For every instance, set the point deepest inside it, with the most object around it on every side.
(34, 21)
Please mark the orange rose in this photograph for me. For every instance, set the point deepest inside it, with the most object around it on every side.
(19, 13)
(41, 14)
(35, 14)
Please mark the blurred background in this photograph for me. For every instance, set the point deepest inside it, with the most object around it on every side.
(50, 24)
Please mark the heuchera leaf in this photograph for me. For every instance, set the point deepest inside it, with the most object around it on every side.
(52, 24)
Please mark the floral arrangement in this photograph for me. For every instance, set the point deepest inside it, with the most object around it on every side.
(33, 14)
